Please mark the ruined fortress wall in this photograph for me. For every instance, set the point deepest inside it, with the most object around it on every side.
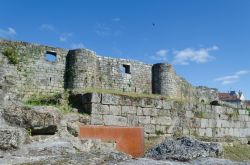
(35, 73)
(82, 68)
(167, 117)
(86, 70)
(113, 75)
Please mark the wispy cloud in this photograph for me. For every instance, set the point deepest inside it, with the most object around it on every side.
(47, 27)
(230, 79)
(8, 33)
(185, 56)
(116, 19)
(160, 55)
(102, 30)
(65, 36)
(77, 45)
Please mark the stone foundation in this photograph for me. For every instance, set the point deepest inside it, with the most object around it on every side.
(166, 117)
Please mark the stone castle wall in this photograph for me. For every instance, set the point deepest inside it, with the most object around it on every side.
(166, 117)
(87, 70)
(82, 68)
(34, 73)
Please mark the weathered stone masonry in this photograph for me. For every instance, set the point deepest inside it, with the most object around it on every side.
(82, 68)
(33, 73)
(166, 117)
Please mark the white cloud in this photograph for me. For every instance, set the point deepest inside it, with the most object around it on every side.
(77, 45)
(64, 37)
(102, 30)
(8, 33)
(229, 79)
(117, 19)
(160, 55)
(185, 56)
(47, 27)
(242, 72)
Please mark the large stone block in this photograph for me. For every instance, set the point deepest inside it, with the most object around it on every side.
(115, 110)
(157, 103)
(149, 128)
(125, 100)
(204, 123)
(167, 104)
(209, 132)
(100, 109)
(164, 112)
(114, 120)
(133, 120)
(139, 111)
(201, 131)
(236, 132)
(189, 114)
(150, 111)
(110, 99)
(161, 129)
(128, 110)
(96, 119)
(242, 111)
(147, 102)
(163, 120)
(144, 119)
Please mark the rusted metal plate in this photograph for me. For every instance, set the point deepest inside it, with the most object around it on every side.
(129, 140)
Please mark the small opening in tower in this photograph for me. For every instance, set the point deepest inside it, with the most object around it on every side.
(126, 69)
(50, 56)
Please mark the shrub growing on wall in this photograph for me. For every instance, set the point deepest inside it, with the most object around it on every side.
(12, 55)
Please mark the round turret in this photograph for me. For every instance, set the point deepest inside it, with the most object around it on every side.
(80, 69)
(164, 80)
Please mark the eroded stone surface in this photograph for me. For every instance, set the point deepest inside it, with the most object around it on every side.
(184, 149)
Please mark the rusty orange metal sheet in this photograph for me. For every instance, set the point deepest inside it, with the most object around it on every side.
(129, 140)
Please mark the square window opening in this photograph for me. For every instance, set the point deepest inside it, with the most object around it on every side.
(50, 56)
(126, 69)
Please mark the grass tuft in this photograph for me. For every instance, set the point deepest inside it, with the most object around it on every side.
(12, 55)
(59, 100)
(237, 152)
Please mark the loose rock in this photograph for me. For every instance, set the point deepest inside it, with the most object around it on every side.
(184, 149)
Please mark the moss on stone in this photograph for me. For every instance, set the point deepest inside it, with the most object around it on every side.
(233, 115)
(237, 152)
(59, 100)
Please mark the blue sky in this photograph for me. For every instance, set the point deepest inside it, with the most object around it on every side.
(207, 41)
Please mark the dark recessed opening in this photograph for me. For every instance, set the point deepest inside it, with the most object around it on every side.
(50, 56)
(215, 102)
(50, 79)
(248, 142)
(126, 69)
(202, 101)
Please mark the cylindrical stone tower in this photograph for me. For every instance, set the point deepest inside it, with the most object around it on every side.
(164, 80)
(80, 69)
